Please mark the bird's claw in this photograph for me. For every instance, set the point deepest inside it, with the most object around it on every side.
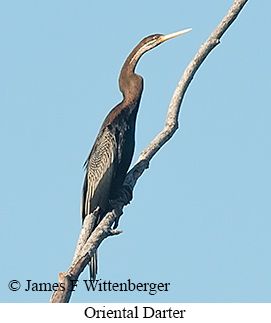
(117, 220)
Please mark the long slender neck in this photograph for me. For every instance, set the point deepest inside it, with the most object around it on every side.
(130, 83)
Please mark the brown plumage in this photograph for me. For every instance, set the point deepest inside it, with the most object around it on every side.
(112, 152)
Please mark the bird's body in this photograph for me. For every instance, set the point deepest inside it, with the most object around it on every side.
(106, 165)
(112, 152)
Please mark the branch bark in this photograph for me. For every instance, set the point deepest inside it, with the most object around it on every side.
(88, 244)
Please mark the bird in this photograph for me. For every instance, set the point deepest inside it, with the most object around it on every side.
(110, 157)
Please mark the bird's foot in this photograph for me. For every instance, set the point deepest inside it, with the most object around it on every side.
(127, 193)
(117, 220)
(124, 198)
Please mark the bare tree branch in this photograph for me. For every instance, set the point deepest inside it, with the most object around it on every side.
(88, 244)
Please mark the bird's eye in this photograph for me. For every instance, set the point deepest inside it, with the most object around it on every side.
(154, 37)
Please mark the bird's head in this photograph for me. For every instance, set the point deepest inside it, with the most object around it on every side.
(157, 39)
(152, 41)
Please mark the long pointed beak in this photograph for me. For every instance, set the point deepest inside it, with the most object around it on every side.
(172, 35)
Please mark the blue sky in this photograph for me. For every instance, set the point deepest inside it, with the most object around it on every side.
(200, 217)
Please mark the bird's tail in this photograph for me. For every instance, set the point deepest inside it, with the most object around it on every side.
(93, 266)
